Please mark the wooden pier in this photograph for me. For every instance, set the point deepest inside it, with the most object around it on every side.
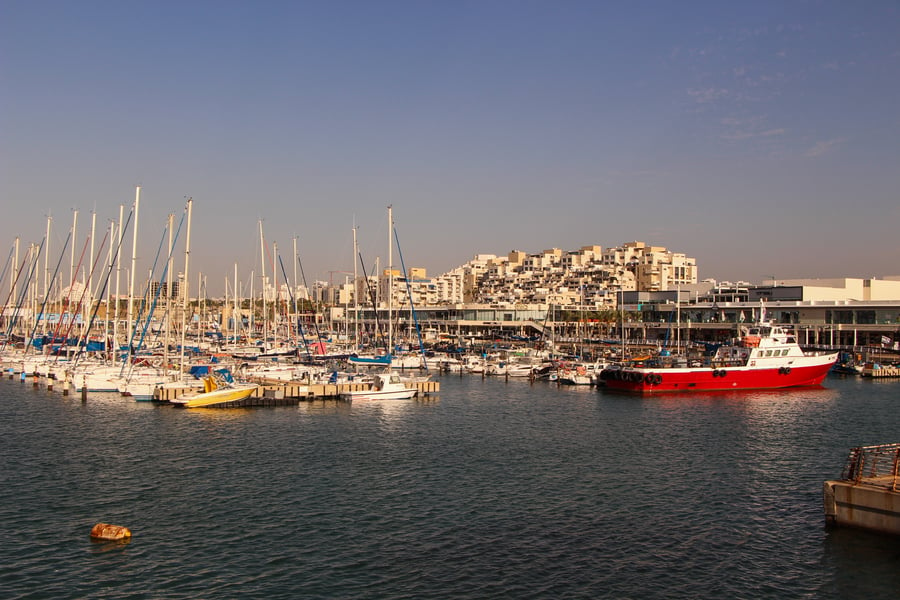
(289, 393)
(871, 371)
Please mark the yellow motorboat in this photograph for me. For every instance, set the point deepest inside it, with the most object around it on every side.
(216, 393)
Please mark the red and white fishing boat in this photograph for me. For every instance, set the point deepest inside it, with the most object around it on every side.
(767, 356)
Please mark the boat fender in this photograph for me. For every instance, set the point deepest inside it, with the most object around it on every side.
(105, 531)
(636, 377)
(722, 373)
(715, 373)
(648, 378)
(657, 378)
(784, 370)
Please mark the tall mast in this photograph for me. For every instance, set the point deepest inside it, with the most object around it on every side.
(262, 263)
(294, 295)
(184, 282)
(14, 272)
(390, 287)
(201, 301)
(170, 263)
(47, 258)
(355, 291)
(237, 306)
(137, 202)
(678, 317)
(275, 299)
(90, 280)
(251, 325)
(622, 314)
(74, 239)
(113, 251)
(224, 324)
(118, 270)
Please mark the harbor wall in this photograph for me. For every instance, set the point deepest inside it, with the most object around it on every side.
(860, 505)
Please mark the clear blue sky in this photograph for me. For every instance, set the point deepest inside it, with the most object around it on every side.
(761, 138)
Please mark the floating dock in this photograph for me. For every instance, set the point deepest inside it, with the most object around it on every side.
(281, 393)
(868, 493)
(879, 371)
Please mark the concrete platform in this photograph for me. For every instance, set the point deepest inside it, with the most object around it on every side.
(868, 493)
(862, 505)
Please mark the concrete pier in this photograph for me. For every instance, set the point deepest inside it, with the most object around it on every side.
(868, 493)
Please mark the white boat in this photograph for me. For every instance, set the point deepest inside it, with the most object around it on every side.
(473, 364)
(522, 369)
(496, 368)
(140, 383)
(386, 386)
(282, 372)
(449, 365)
(579, 373)
(407, 361)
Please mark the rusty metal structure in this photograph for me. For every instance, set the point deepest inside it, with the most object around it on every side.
(874, 465)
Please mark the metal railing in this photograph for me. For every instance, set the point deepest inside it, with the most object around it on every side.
(874, 465)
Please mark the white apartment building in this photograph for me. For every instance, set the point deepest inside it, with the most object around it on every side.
(588, 276)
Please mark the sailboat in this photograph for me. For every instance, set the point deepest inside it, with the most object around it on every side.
(387, 385)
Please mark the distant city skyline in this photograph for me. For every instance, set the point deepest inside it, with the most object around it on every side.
(760, 139)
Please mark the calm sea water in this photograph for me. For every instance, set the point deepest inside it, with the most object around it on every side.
(491, 490)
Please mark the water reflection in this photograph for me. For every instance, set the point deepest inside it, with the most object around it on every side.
(103, 546)
(862, 563)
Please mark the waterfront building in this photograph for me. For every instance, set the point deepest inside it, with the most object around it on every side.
(584, 277)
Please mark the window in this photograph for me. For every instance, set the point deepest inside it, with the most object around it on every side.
(866, 317)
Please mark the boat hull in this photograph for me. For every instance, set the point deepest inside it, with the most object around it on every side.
(376, 361)
(405, 394)
(655, 381)
(215, 397)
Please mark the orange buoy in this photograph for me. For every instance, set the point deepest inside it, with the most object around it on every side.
(105, 531)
